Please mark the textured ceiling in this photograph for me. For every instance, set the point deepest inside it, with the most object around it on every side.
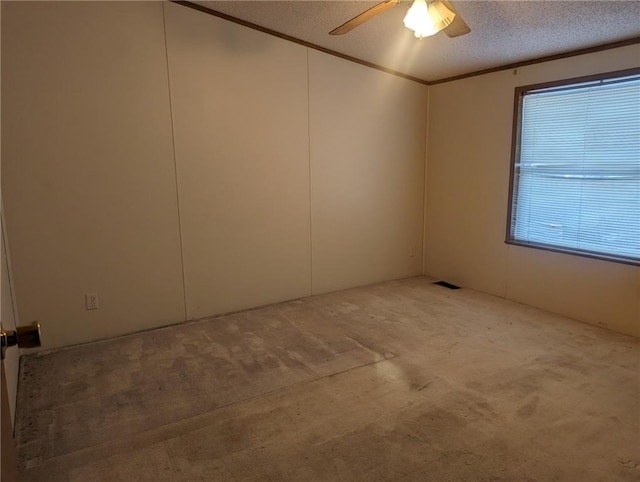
(502, 32)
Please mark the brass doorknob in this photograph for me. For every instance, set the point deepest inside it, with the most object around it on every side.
(25, 336)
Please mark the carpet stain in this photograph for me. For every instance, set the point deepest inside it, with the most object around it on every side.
(530, 408)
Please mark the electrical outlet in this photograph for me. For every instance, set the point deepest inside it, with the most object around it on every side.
(91, 301)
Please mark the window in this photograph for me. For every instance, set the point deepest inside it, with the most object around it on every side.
(575, 178)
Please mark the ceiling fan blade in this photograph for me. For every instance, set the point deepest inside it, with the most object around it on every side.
(363, 17)
(458, 26)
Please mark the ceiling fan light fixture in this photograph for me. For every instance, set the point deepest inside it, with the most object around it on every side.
(426, 20)
(441, 15)
(418, 19)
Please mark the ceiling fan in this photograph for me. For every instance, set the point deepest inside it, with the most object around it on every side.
(425, 18)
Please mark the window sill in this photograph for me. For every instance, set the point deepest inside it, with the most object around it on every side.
(575, 252)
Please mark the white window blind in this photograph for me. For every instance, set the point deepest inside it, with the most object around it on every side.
(576, 182)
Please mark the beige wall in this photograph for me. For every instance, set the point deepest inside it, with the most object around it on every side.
(294, 173)
(87, 168)
(240, 119)
(466, 202)
(96, 201)
(367, 172)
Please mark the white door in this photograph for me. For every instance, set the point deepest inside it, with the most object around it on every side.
(9, 320)
(10, 364)
(8, 383)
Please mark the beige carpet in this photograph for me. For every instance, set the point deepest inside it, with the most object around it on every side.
(398, 381)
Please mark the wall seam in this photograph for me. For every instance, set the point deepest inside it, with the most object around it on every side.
(425, 204)
(175, 162)
(310, 184)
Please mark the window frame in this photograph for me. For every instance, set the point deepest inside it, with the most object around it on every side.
(520, 92)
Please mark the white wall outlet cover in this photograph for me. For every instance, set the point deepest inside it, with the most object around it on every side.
(91, 301)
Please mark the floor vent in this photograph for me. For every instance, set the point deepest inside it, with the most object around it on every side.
(447, 285)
